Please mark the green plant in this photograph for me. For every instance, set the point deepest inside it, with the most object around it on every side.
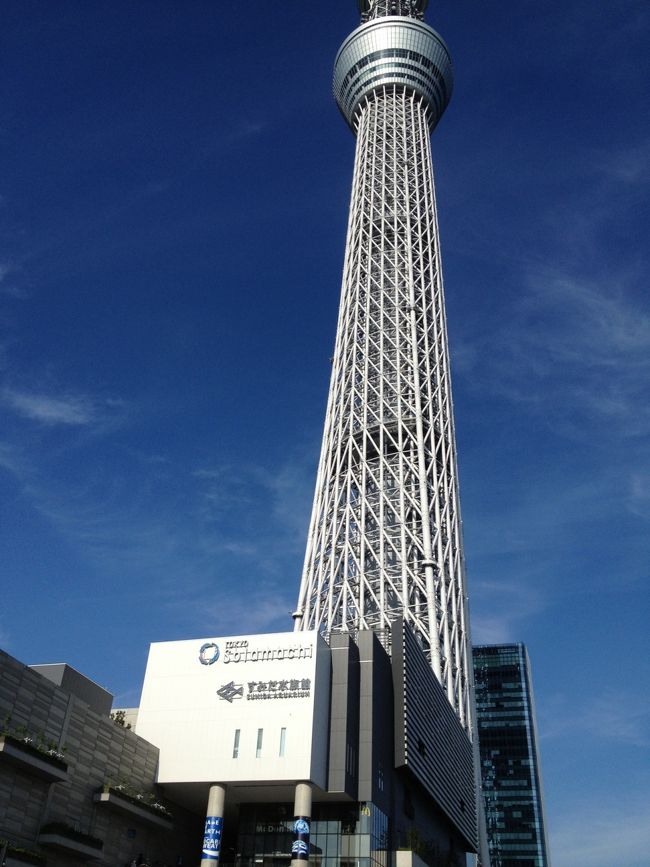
(414, 841)
(32, 740)
(427, 850)
(47, 751)
(19, 853)
(149, 800)
(72, 834)
(119, 718)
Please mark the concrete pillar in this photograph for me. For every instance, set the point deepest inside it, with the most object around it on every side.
(213, 826)
(301, 825)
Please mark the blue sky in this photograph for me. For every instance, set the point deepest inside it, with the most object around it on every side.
(174, 183)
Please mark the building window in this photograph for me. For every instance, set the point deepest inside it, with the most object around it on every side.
(235, 745)
(283, 741)
(258, 749)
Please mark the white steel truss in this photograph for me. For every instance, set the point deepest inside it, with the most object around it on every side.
(385, 534)
(381, 8)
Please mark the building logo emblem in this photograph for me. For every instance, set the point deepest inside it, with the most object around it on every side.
(208, 653)
(301, 826)
(229, 691)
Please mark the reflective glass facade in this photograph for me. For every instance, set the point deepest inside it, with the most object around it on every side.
(510, 773)
(354, 835)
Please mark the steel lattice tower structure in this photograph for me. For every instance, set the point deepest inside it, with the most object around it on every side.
(385, 533)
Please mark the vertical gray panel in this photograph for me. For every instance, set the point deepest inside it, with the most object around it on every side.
(430, 740)
(344, 715)
(375, 722)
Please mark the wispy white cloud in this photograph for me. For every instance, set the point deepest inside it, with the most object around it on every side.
(545, 516)
(50, 410)
(593, 325)
(9, 289)
(573, 346)
(498, 609)
(13, 291)
(571, 349)
(615, 835)
(12, 459)
(639, 493)
(612, 715)
(219, 534)
(278, 499)
(74, 410)
(251, 522)
(224, 487)
(229, 612)
(628, 166)
(292, 490)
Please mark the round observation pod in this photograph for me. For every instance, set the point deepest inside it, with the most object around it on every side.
(393, 51)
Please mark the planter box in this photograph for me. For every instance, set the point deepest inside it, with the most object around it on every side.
(23, 860)
(115, 801)
(76, 848)
(30, 761)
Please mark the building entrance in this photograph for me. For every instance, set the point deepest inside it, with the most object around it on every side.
(342, 835)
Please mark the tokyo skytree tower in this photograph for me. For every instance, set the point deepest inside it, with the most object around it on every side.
(385, 533)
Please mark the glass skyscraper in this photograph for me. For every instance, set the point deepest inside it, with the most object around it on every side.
(510, 767)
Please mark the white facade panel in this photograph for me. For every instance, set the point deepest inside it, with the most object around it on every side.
(272, 689)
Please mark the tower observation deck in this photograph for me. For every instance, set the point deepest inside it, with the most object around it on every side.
(385, 533)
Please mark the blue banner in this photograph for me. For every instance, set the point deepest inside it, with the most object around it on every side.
(212, 838)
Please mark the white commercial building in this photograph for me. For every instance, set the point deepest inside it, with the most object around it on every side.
(300, 750)
(239, 709)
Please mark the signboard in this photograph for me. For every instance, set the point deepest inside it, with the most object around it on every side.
(212, 838)
(251, 708)
(256, 690)
(300, 845)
